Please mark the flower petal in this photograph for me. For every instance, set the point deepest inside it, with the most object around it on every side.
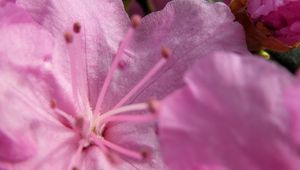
(229, 116)
(11, 14)
(103, 26)
(25, 54)
(3, 3)
(292, 96)
(25, 38)
(190, 29)
(29, 126)
(25, 111)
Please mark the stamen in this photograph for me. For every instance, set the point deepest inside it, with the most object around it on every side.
(122, 64)
(79, 123)
(127, 108)
(120, 149)
(96, 140)
(68, 117)
(53, 105)
(78, 72)
(76, 27)
(165, 53)
(68, 37)
(146, 155)
(154, 105)
(115, 64)
(132, 118)
(136, 21)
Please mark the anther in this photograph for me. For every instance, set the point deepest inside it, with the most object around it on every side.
(165, 52)
(53, 104)
(122, 64)
(146, 155)
(156, 130)
(136, 21)
(68, 37)
(79, 123)
(153, 105)
(76, 27)
(264, 54)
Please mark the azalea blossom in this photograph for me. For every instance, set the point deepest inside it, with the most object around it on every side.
(230, 119)
(281, 17)
(77, 78)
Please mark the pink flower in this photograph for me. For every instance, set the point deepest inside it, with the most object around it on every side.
(63, 105)
(292, 96)
(230, 119)
(280, 16)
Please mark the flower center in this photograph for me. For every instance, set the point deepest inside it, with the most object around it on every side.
(92, 128)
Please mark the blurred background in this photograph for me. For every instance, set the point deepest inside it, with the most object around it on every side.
(144, 7)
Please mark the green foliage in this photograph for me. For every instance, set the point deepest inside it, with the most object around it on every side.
(290, 60)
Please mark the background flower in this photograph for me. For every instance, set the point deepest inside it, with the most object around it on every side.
(144, 7)
(230, 115)
(281, 17)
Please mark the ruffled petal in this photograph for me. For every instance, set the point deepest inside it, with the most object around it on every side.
(29, 126)
(190, 29)
(229, 116)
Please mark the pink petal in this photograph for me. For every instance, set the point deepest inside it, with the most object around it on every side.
(5, 2)
(11, 14)
(15, 148)
(103, 26)
(25, 54)
(25, 38)
(190, 29)
(292, 102)
(94, 158)
(29, 127)
(229, 116)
